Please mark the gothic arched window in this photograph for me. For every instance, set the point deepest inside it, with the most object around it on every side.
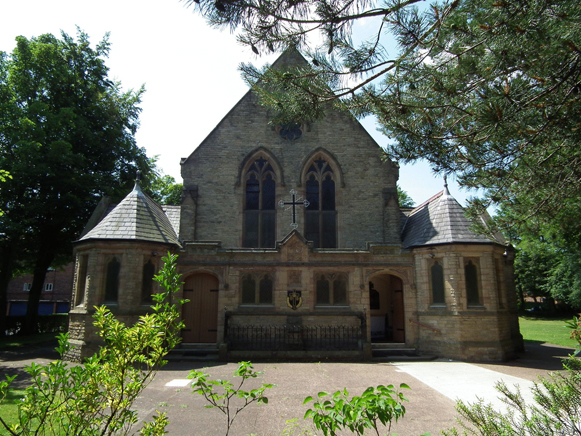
(331, 289)
(147, 282)
(471, 276)
(437, 282)
(112, 281)
(259, 205)
(320, 215)
(257, 291)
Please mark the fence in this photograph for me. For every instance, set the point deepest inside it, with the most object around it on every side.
(291, 337)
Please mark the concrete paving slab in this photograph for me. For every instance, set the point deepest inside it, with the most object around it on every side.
(467, 382)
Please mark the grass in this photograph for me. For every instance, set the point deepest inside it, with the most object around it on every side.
(9, 408)
(547, 330)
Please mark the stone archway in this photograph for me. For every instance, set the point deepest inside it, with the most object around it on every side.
(386, 308)
(200, 314)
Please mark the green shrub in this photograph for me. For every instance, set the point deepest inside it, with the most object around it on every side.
(374, 406)
(220, 394)
(95, 398)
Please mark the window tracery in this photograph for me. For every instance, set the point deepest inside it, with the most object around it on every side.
(260, 205)
(321, 214)
(331, 290)
(257, 289)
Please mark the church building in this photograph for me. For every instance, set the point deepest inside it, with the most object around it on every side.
(292, 244)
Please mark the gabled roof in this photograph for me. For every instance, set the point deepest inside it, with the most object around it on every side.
(441, 220)
(290, 58)
(137, 217)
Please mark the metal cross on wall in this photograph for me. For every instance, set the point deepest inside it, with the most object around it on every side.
(294, 203)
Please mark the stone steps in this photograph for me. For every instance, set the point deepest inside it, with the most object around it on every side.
(397, 352)
(194, 352)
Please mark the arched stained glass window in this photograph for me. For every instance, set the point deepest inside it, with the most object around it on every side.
(320, 215)
(259, 205)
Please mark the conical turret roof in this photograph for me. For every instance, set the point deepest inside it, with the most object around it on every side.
(136, 217)
(441, 220)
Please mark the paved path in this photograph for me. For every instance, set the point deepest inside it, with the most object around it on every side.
(467, 382)
(434, 388)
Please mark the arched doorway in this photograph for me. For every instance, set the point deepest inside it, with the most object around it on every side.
(386, 308)
(200, 314)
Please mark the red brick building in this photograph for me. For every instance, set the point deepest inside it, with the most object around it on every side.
(56, 295)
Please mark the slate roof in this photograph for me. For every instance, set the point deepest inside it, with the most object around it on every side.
(441, 220)
(138, 217)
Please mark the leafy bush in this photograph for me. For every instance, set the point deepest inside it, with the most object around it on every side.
(222, 399)
(95, 398)
(375, 405)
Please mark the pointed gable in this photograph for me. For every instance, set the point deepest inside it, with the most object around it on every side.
(137, 217)
(440, 220)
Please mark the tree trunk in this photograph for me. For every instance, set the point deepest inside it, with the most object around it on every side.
(6, 269)
(43, 262)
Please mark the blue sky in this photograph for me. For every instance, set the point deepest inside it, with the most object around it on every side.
(190, 71)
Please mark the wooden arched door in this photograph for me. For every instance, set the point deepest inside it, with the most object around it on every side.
(200, 314)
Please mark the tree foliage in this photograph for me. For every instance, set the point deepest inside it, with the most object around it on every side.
(165, 190)
(489, 90)
(404, 199)
(66, 138)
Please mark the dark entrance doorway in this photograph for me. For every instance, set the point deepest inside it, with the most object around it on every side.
(200, 314)
(386, 309)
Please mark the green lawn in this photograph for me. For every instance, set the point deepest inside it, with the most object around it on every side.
(551, 330)
(9, 409)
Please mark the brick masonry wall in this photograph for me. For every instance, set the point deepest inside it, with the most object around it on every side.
(61, 279)
(214, 169)
(481, 333)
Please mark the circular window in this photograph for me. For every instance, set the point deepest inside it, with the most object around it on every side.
(290, 131)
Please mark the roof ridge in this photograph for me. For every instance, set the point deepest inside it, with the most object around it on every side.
(428, 201)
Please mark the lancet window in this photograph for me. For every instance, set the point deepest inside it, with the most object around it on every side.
(321, 215)
(472, 286)
(147, 282)
(437, 282)
(112, 281)
(257, 289)
(331, 289)
(260, 205)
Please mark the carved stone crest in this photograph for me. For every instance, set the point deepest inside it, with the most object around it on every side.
(294, 299)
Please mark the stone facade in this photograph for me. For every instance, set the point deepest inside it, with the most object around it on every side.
(346, 270)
